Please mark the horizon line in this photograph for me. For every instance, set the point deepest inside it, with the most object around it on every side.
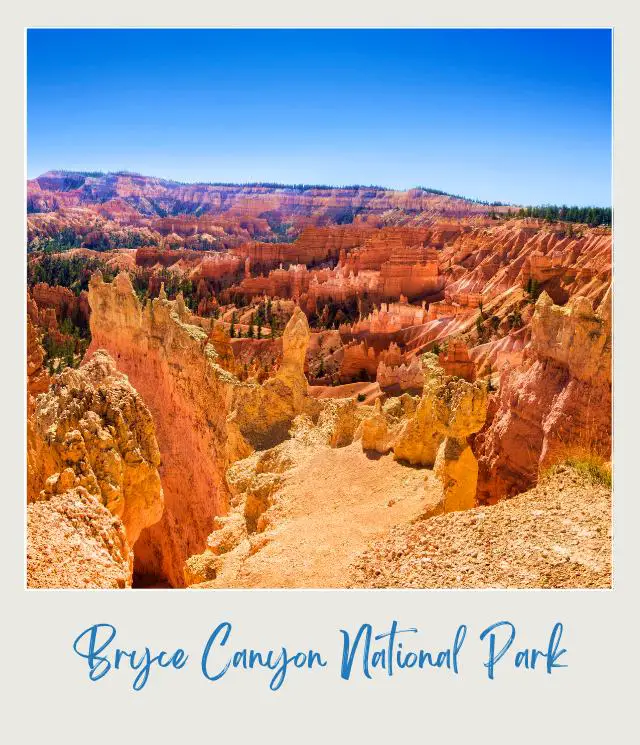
(305, 186)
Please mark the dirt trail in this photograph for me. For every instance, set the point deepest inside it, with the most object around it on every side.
(333, 504)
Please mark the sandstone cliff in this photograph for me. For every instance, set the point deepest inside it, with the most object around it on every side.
(170, 365)
(557, 404)
(101, 435)
(92, 477)
(205, 417)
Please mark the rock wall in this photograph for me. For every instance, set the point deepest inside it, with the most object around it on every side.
(313, 246)
(64, 303)
(205, 417)
(455, 360)
(381, 246)
(556, 404)
(166, 360)
(435, 433)
(92, 474)
(412, 272)
(101, 436)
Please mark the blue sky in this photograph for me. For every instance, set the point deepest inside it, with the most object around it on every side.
(521, 116)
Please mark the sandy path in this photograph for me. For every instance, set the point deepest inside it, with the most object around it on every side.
(325, 521)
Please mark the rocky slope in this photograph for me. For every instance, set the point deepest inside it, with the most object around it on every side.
(332, 470)
(74, 541)
(92, 478)
(557, 535)
(318, 507)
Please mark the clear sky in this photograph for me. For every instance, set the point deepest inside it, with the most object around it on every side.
(509, 115)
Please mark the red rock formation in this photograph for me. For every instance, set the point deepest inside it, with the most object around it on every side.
(314, 245)
(64, 303)
(200, 264)
(205, 417)
(186, 400)
(380, 247)
(96, 433)
(282, 283)
(412, 272)
(40, 462)
(391, 317)
(557, 404)
(37, 378)
(338, 287)
(359, 360)
(57, 189)
(220, 341)
(92, 482)
(494, 355)
(455, 360)
(496, 260)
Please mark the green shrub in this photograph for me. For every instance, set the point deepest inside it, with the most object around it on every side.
(592, 467)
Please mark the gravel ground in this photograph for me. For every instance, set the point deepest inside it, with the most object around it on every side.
(557, 535)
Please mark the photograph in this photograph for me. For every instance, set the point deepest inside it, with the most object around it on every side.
(318, 308)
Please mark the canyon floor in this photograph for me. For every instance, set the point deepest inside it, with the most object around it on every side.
(324, 521)
(375, 528)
